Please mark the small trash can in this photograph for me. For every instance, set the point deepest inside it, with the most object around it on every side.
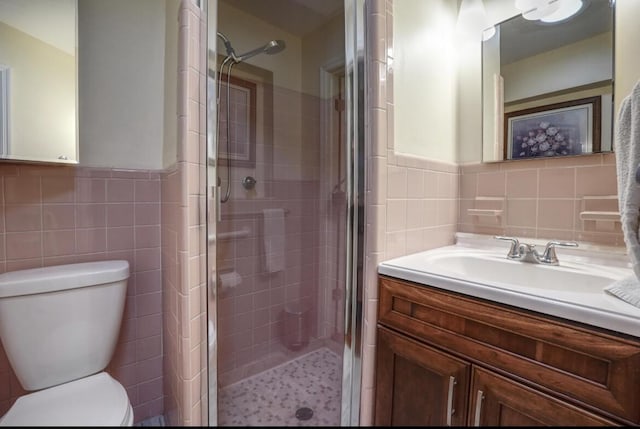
(295, 324)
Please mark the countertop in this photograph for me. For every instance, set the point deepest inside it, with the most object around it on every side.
(595, 308)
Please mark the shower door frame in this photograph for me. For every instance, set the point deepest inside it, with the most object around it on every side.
(355, 72)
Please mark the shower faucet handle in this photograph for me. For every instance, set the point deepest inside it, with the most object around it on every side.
(249, 183)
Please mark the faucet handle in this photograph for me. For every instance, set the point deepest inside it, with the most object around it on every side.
(549, 255)
(514, 251)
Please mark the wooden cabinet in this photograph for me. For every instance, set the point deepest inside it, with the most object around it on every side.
(445, 358)
(420, 385)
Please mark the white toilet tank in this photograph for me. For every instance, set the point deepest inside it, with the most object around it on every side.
(61, 323)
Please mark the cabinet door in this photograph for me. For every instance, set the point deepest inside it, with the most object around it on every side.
(498, 401)
(417, 385)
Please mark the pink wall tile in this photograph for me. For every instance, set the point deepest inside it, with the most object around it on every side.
(23, 217)
(58, 190)
(91, 215)
(119, 214)
(120, 238)
(59, 242)
(58, 216)
(90, 190)
(147, 236)
(522, 213)
(557, 182)
(491, 184)
(147, 213)
(23, 245)
(21, 190)
(147, 190)
(556, 214)
(91, 240)
(469, 184)
(596, 180)
(120, 190)
(522, 184)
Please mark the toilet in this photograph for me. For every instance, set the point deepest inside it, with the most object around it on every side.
(59, 326)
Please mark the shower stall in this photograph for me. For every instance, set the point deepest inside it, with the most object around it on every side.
(285, 187)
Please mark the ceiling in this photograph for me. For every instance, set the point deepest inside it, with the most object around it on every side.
(52, 21)
(298, 17)
(521, 38)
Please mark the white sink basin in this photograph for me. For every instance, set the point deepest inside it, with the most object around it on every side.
(491, 269)
(573, 290)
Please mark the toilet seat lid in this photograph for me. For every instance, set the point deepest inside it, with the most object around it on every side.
(98, 400)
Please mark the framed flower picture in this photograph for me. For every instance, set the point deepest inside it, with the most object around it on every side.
(560, 129)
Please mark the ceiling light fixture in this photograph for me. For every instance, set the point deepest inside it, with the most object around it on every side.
(548, 10)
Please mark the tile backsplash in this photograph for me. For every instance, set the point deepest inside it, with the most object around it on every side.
(542, 198)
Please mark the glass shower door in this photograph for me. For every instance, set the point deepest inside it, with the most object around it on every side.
(280, 299)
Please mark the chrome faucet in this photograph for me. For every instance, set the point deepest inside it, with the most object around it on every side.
(528, 253)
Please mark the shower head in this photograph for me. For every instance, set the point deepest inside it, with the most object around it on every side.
(271, 48)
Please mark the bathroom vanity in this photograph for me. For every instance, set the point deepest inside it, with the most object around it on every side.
(451, 358)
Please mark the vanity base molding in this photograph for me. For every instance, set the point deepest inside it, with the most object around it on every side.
(446, 358)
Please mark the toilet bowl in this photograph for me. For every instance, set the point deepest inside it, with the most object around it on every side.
(59, 327)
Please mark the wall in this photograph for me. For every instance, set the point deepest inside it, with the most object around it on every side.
(424, 54)
(627, 63)
(42, 86)
(183, 225)
(171, 83)
(528, 206)
(121, 86)
(411, 200)
(60, 215)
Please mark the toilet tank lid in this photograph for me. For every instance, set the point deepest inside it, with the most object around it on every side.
(61, 277)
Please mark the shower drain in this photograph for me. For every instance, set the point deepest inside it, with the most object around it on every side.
(304, 413)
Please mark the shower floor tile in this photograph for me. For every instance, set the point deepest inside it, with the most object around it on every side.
(272, 397)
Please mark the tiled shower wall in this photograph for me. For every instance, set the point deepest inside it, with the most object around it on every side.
(253, 308)
(251, 312)
(58, 215)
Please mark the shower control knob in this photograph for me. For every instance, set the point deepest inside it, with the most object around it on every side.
(248, 183)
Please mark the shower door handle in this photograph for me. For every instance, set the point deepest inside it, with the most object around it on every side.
(218, 202)
(215, 196)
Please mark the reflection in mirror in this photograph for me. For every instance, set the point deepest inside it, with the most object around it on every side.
(38, 76)
(548, 87)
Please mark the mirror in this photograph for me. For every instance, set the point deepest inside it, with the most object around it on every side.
(547, 88)
(38, 80)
